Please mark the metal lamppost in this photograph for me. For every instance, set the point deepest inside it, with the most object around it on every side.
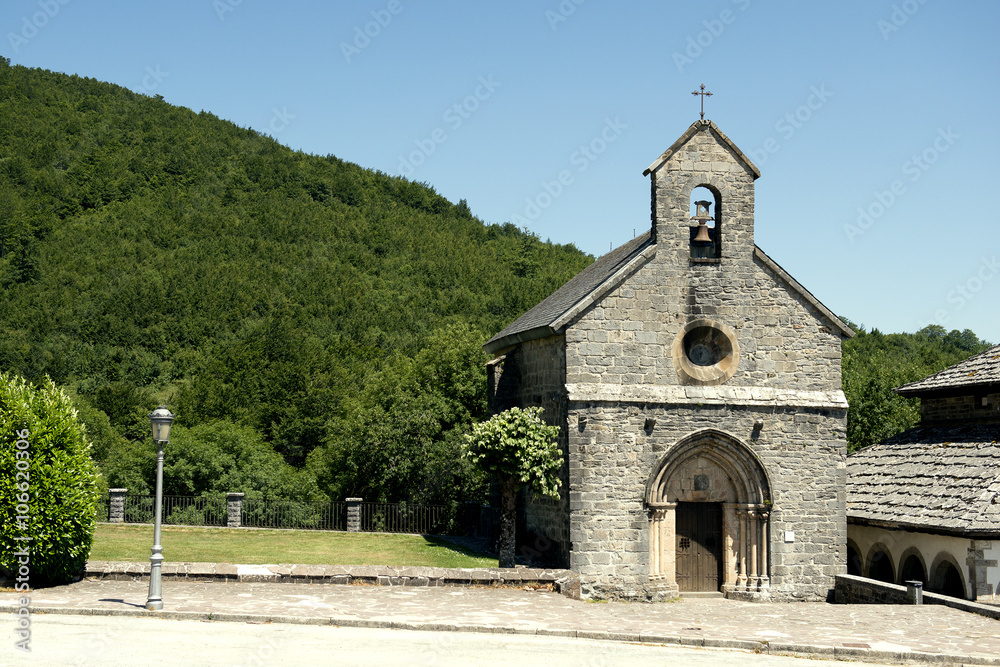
(159, 420)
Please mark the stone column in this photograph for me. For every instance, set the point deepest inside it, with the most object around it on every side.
(234, 510)
(662, 531)
(979, 585)
(353, 514)
(654, 542)
(752, 581)
(116, 510)
(765, 580)
(730, 546)
(741, 551)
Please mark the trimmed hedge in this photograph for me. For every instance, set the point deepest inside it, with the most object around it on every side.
(48, 485)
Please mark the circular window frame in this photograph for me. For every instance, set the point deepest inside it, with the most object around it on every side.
(715, 374)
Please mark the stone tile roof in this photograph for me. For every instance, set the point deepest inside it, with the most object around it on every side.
(581, 290)
(945, 478)
(976, 371)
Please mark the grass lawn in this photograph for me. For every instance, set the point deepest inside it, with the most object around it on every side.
(256, 546)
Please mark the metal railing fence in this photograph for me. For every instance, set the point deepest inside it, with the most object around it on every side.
(260, 513)
(406, 518)
(467, 518)
(177, 510)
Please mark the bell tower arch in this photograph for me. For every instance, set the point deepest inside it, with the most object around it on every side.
(703, 158)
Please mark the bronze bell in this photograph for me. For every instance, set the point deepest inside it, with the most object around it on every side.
(701, 244)
(702, 236)
(702, 216)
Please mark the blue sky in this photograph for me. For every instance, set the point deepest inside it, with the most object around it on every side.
(874, 124)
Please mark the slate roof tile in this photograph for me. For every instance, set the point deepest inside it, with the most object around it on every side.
(550, 309)
(944, 476)
(982, 369)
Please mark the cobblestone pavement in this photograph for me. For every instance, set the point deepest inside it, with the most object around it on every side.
(883, 633)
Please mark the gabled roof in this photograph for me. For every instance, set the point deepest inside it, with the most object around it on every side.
(552, 314)
(943, 479)
(586, 287)
(696, 127)
(977, 372)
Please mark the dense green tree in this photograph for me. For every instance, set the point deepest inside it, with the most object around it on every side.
(49, 488)
(219, 457)
(401, 438)
(520, 449)
(875, 363)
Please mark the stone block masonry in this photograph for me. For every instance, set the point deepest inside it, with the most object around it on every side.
(611, 460)
(562, 581)
(116, 506)
(860, 590)
(234, 510)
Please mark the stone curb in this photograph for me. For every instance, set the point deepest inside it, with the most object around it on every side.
(771, 648)
(565, 582)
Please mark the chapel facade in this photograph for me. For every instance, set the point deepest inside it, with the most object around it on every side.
(698, 390)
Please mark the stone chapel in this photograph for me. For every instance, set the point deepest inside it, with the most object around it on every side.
(698, 390)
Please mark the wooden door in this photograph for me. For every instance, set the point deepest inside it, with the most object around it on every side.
(699, 546)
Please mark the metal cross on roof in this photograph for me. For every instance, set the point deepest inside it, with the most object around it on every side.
(704, 93)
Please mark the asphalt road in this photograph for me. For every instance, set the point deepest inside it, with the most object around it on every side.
(80, 641)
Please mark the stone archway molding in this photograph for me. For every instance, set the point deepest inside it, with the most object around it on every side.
(737, 480)
(748, 475)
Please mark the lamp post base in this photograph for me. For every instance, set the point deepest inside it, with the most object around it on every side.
(154, 602)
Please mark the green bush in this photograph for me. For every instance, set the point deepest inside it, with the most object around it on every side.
(49, 487)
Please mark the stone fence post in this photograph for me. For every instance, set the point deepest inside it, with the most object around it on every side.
(116, 512)
(234, 510)
(353, 514)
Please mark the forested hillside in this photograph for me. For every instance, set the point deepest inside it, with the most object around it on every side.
(151, 254)
(317, 326)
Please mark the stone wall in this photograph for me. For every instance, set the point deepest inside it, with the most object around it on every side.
(613, 456)
(960, 408)
(561, 581)
(541, 369)
(859, 590)
(628, 338)
(705, 160)
(634, 397)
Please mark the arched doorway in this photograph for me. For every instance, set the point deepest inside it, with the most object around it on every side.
(709, 502)
(855, 565)
(947, 580)
(912, 568)
(880, 565)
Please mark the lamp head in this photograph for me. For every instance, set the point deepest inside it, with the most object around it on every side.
(159, 420)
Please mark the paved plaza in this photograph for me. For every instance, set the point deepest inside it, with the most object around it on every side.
(879, 633)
